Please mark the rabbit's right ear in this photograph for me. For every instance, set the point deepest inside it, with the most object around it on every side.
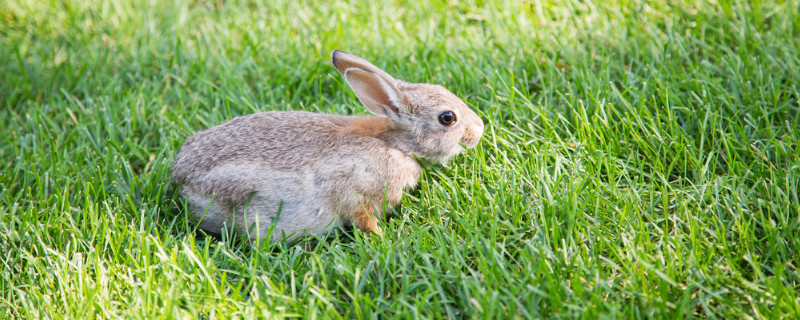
(378, 95)
(343, 61)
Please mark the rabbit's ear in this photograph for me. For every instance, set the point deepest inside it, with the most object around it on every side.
(343, 61)
(379, 96)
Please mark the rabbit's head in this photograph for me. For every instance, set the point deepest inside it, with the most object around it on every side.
(428, 120)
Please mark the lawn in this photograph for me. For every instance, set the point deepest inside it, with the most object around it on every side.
(640, 159)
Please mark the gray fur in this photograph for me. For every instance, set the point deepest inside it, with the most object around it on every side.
(321, 170)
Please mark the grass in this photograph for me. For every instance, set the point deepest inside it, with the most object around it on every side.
(640, 159)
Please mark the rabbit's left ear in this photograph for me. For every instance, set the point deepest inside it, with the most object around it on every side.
(376, 94)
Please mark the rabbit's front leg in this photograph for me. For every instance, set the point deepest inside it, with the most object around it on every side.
(365, 220)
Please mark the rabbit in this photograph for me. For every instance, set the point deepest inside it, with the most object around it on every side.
(307, 173)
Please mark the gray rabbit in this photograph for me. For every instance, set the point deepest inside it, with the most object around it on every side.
(306, 173)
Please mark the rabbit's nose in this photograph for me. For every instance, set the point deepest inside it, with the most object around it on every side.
(479, 129)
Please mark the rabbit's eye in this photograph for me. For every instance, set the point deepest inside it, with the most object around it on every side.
(447, 118)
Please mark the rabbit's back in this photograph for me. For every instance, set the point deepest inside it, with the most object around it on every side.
(283, 139)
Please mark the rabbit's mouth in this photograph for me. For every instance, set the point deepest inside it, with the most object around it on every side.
(471, 137)
(470, 143)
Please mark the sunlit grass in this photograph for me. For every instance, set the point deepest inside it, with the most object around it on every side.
(640, 159)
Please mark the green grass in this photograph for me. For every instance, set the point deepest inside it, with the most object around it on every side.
(640, 159)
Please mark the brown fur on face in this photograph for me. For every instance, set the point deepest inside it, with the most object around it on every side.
(296, 173)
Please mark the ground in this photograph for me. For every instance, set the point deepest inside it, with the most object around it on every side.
(640, 159)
